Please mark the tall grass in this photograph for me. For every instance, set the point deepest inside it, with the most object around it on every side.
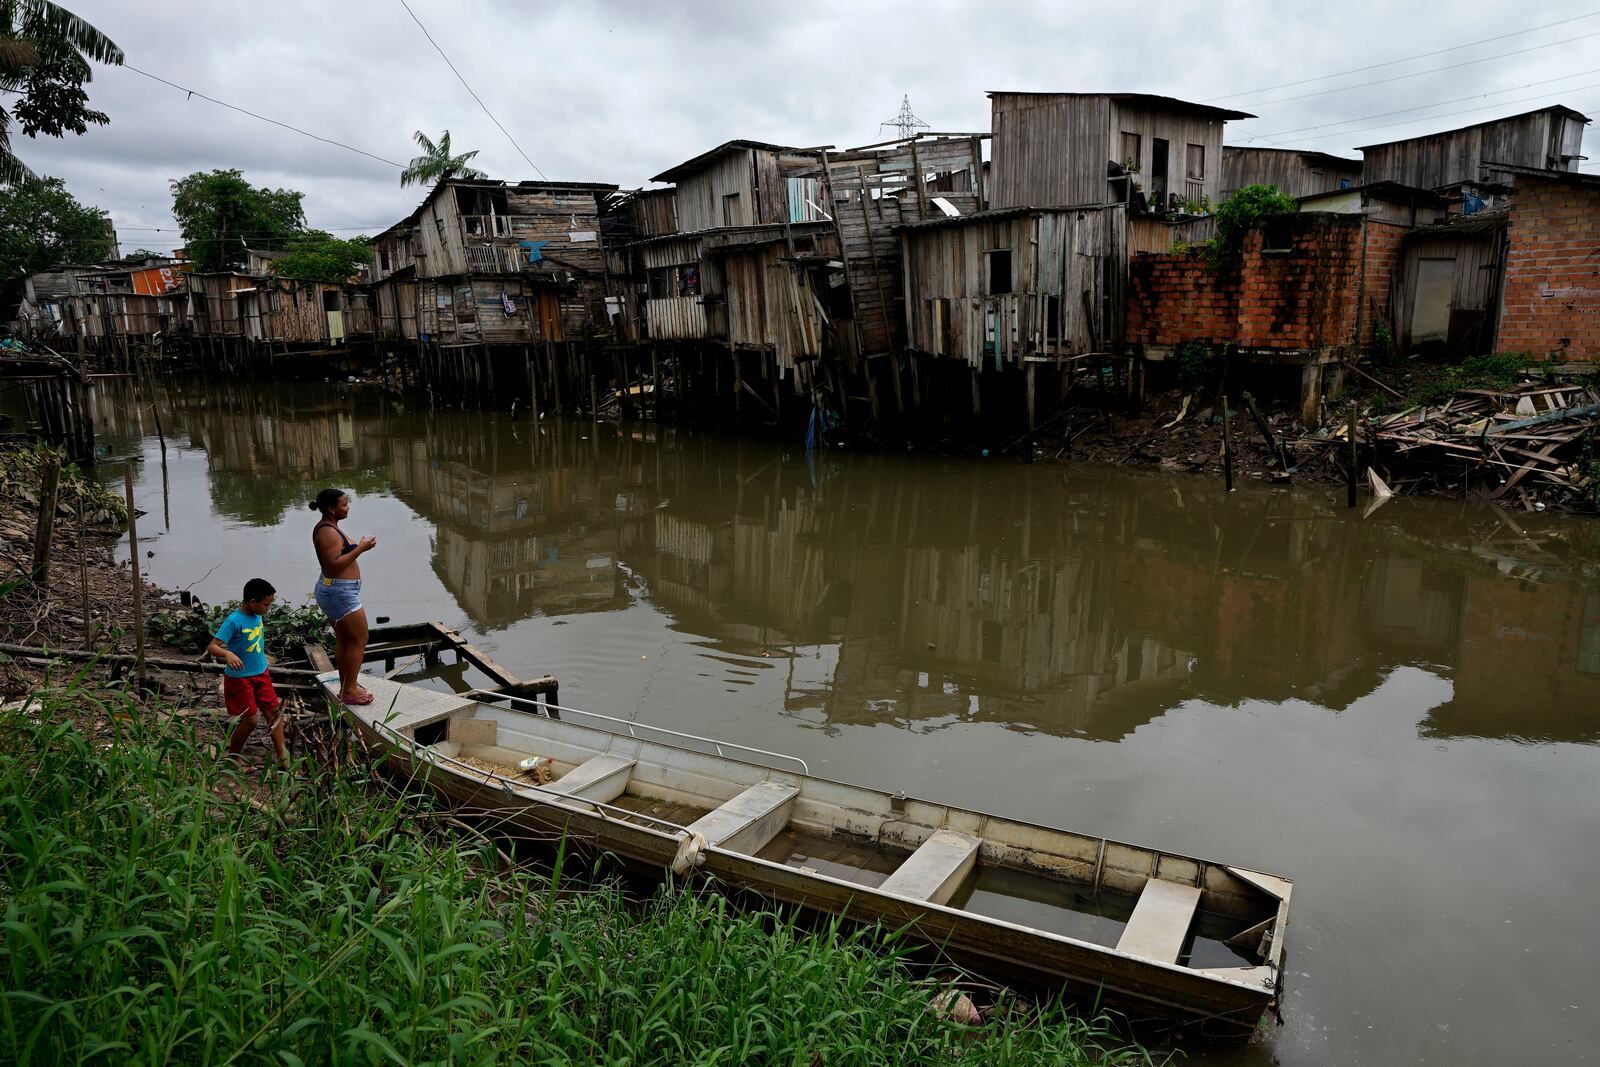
(147, 919)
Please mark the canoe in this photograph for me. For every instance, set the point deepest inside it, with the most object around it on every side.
(1155, 932)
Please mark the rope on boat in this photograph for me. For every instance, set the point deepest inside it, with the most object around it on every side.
(691, 852)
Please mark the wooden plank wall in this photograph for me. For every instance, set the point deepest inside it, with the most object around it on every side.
(1180, 130)
(699, 197)
(1474, 294)
(1067, 264)
(875, 190)
(1050, 149)
(1295, 173)
(1460, 155)
(653, 213)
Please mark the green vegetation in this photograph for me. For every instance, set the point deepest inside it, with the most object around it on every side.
(1239, 214)
(44, 64)
(316, 256)
(436, 163)
(1194, 365)
(220, 214)
(41, 224)
(22, 473)
(151, 917)
(289, 628)
(1433, 382)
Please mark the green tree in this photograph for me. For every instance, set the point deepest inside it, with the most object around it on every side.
(44, 62)
(315, 256)
(220, 214)
(41, 224)
(436, 163)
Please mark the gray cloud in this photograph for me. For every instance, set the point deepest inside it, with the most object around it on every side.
(617, 91)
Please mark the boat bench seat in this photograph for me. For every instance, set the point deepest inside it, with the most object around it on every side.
(936, 869)
(601, 779)
(1160, 921)
(750, 820)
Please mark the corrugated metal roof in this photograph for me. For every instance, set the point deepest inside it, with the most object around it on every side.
(1149, 100)
(997, 214)
(1394, 192)
(1466, 225)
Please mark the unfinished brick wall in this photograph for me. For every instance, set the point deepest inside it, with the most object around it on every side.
(1302, 295)
(1550, 304)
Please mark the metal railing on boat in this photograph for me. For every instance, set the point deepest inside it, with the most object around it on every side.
(606, 810)
(485, 695)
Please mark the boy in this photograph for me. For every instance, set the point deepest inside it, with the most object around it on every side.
(241, 643)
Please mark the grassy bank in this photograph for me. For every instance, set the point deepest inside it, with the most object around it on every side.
(155, 912)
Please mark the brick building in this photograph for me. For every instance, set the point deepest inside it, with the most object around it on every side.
(1307, 290)
(1550, 298)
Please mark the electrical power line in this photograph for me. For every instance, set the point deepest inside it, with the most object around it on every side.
(1407, 59)
(263, 118)
(1426, 118)
(1436, 103)
(469, 89)
(1430, 70)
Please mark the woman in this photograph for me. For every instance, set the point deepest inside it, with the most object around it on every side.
(338, 591)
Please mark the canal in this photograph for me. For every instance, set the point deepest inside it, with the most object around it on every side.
(1400, 711)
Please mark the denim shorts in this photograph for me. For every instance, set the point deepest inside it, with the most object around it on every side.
(338, 597)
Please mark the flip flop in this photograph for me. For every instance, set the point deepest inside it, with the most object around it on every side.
(356, 699)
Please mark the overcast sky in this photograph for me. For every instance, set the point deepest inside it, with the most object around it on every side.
(616, 92)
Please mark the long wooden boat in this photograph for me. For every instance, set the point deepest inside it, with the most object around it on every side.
(1177, 936)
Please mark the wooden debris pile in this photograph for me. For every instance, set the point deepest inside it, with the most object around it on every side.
(1535, 444)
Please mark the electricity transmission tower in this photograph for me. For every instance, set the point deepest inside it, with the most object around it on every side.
(907, 123)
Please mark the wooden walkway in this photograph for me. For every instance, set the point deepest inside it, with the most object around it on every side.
(402, 648)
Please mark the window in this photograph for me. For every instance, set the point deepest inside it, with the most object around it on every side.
(731, 215)
(688, 281)
(383, 260)
(1052, 318)
(1344, 183)
(1196, 162)
(1131, 145)
(999, 271)
(1277, 235)
(661, 282)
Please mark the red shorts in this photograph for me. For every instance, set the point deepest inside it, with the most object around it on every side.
(244, 695)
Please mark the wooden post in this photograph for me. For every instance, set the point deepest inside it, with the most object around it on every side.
(138, 581)
(1350, 480)
(1266, 431)
(1227, 447)
(655, 385)
(83, 570)
(44, 531)
(533, 381)
(594, 397)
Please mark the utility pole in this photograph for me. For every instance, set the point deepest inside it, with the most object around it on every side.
(906, 122)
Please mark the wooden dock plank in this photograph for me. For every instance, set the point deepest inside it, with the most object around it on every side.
(398, 706)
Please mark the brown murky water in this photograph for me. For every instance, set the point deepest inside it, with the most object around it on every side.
(1399, 711)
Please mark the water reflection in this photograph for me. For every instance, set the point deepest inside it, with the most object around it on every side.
(907, 590)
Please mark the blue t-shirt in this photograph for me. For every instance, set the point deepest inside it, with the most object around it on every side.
(246, 637)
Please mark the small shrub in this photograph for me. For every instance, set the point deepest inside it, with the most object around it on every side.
(1239, 214)
(289, 628)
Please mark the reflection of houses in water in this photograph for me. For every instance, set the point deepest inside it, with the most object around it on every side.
(1528, 664)
(513, 539)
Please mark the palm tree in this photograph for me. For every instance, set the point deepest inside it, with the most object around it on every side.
(436, 163)
(44, 54)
